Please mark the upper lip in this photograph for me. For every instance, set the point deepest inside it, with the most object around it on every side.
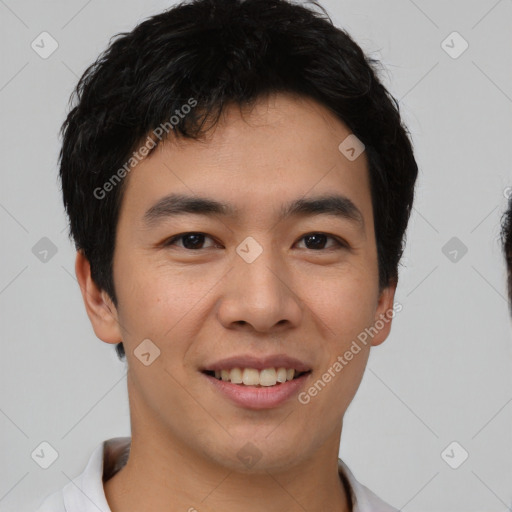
(258, 363)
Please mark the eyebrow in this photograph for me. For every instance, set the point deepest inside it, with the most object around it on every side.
(334, 205)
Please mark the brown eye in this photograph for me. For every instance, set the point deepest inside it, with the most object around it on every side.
(317, 241)
(190, 241)
(194, 241)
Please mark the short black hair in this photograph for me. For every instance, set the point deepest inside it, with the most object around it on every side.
(506, 240)
(212, 53)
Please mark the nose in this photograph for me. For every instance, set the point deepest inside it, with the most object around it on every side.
(260, 295)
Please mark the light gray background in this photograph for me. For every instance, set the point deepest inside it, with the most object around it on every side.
(445, 372)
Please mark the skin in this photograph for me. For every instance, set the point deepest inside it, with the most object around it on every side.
(201, 305)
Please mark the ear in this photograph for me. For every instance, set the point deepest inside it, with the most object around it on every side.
(100, 308)
(384, 314)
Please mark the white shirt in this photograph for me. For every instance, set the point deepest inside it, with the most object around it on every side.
(86, 494)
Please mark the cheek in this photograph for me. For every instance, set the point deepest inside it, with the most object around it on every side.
(159, 302)
(345, 302)
(326, 399)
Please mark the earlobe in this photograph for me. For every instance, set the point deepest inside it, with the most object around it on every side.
(100, 309)
(384, 314)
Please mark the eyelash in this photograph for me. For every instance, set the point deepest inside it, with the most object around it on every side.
(341, 244)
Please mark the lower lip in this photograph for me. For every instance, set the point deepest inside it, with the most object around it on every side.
(264, 397)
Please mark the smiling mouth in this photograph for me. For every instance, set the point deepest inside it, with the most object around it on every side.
(255, 378)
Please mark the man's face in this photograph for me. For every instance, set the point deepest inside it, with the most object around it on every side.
(213, 295)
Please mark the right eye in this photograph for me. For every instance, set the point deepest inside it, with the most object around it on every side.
(190, 241)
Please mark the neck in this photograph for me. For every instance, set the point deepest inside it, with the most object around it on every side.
(165, 474)
(161, 483)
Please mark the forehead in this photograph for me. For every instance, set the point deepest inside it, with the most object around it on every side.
(280, 149)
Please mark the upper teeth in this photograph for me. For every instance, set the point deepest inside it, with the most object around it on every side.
(253, 377)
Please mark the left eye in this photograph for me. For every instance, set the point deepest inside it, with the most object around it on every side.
(193, 241)
(318, 240)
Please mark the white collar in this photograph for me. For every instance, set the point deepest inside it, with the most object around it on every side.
(86, 493)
